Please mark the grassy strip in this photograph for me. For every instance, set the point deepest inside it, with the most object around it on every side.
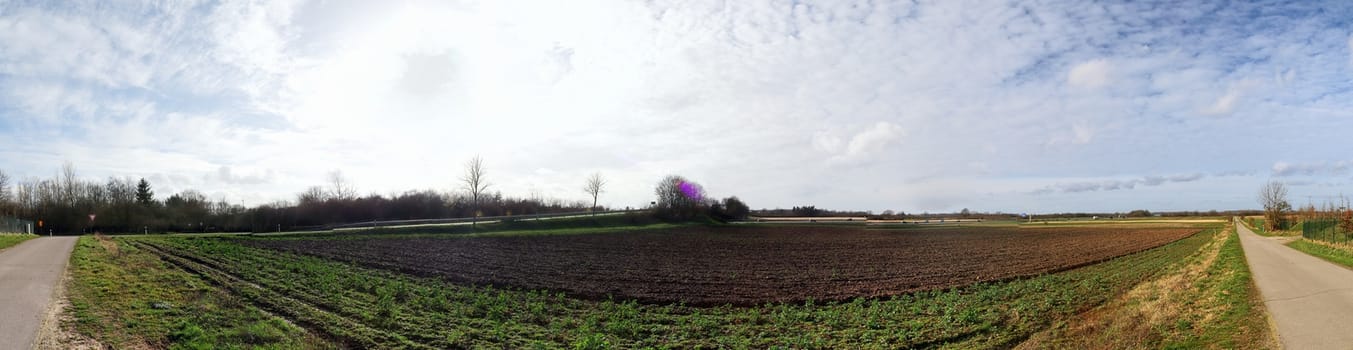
(1230, 293)
(1257, 225)
(1206, 301)
(433, 313)
(8, 240)
(128, 298)
(1342, 256)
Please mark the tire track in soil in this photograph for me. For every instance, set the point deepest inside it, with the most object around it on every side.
(316, 318)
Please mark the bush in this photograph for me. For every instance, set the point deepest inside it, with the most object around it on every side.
(736, 208)
(1139, 213)
(679, 199)
(730, 209)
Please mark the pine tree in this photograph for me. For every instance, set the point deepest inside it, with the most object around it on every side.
(144, 195)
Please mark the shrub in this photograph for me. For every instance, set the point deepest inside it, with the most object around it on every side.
(679, 199)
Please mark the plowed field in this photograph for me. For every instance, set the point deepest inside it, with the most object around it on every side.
(742, 266)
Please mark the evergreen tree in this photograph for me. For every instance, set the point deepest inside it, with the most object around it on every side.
(144, 195)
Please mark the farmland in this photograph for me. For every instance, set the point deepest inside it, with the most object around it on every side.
(740, 266)
(314, 300)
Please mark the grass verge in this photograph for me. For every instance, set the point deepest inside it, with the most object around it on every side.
(1207, 300)
(8, 240)
(126, 297)
(1258, 227)
(1337, 255)
(361, 307)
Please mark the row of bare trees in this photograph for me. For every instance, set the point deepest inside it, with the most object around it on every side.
(339, 203)
(68, 204)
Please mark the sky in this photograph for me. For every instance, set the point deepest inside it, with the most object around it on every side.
(926, 106)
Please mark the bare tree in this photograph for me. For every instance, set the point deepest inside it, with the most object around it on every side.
(1273, 196)
(69, 184)
(311, 195)
(4, 186)
(474, 183)
(339, 187)
(595, 186)
(6, 197)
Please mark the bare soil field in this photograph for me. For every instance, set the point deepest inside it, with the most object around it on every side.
(744, 265)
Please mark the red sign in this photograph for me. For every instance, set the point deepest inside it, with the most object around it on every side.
(91, 217)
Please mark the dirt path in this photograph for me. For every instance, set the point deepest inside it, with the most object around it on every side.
(1311, 300)
(28, 274)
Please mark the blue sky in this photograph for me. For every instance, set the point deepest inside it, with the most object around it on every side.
(1021, 106)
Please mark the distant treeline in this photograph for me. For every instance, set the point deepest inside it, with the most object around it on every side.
(68, 204)
(813, 211)
(65, 204)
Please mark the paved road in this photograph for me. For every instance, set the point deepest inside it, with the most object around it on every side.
(1311, 300)
(28, 272)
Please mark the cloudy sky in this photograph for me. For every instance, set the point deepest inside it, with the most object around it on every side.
(1021, 106)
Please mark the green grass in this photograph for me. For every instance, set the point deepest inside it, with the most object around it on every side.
(1241, 322)
(369, 308)
(126, 297)
(1257, 225)
(1206, 300)
(1340, 256)
(9, 240)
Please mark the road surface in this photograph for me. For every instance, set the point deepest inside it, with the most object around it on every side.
(1311, 300)
(28, 273)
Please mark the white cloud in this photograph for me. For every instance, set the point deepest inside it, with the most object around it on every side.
(1082, 134)
(1224, 105)
(827, 142)
(868, 144)
(228, 176)
(1091, 74)
(874, 139)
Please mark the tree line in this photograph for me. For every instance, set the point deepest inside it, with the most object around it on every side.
(68, 204)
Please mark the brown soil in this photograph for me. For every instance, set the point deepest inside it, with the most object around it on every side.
(743, 266)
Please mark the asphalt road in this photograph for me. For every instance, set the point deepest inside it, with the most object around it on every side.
(1311, 300)
(28, 273)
